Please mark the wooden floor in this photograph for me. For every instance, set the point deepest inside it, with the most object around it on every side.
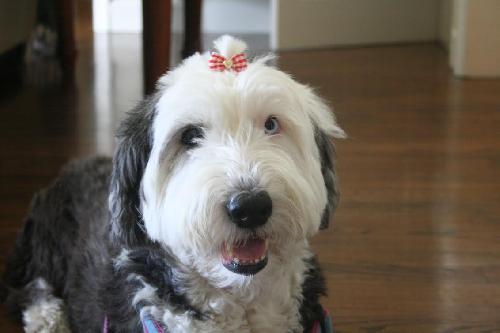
(415, 244)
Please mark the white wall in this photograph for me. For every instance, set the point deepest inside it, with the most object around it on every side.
(236, 16)
(322, 23)
(122, 16)
(445, 13)
(219, 16)
(126, 15)
(475, 41)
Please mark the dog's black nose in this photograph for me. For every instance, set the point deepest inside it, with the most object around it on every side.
(250, 209)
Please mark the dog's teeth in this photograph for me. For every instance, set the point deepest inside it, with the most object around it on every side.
(229, 250)
(236, 260)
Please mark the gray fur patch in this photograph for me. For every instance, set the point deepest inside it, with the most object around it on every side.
(327, 155)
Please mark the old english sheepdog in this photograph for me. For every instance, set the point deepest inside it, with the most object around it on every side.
(201, 221)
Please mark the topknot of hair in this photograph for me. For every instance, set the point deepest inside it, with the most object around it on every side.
(229, 46)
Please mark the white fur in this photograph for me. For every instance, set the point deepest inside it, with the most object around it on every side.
(236, 310)
(184, 210)
(122, 259)
(228, 46)
(46, 314)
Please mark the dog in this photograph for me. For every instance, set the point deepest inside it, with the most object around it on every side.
(200, 222)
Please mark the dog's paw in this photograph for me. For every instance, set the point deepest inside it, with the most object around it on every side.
(46, 316)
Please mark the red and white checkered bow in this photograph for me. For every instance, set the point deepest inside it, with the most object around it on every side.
(237, 63)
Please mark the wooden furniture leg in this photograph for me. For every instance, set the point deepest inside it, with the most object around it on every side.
(192, 27)
(156, 40)
(67, 45)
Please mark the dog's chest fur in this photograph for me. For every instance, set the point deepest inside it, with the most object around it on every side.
(226, 313)
(270, 303)
(266, 306)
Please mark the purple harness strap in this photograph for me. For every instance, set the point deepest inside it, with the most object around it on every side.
(149, 325)
(324, 326)
(105, 325)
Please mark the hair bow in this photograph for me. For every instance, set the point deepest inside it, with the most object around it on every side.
(237, 63)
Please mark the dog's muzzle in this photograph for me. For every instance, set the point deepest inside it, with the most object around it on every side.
(248, 210)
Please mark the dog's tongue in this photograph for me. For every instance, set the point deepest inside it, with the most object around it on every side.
(253, 249)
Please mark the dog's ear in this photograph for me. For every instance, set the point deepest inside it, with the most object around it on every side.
(134, 136)
(325, 130)
(327, 156)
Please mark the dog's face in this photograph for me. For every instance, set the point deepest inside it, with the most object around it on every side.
(240, 167)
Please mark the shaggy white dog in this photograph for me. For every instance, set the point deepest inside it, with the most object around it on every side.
(218, 182)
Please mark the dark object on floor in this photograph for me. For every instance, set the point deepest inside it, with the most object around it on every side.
(11, 67)
(43, 66)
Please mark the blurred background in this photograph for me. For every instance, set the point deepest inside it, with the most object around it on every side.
(415, 243)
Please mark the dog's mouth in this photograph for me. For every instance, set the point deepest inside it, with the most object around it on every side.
(246, 258)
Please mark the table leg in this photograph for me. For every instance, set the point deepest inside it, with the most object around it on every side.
(156, 40)
(192, 27)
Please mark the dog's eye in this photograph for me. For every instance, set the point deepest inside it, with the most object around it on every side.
(192, 135)
(272, 125)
